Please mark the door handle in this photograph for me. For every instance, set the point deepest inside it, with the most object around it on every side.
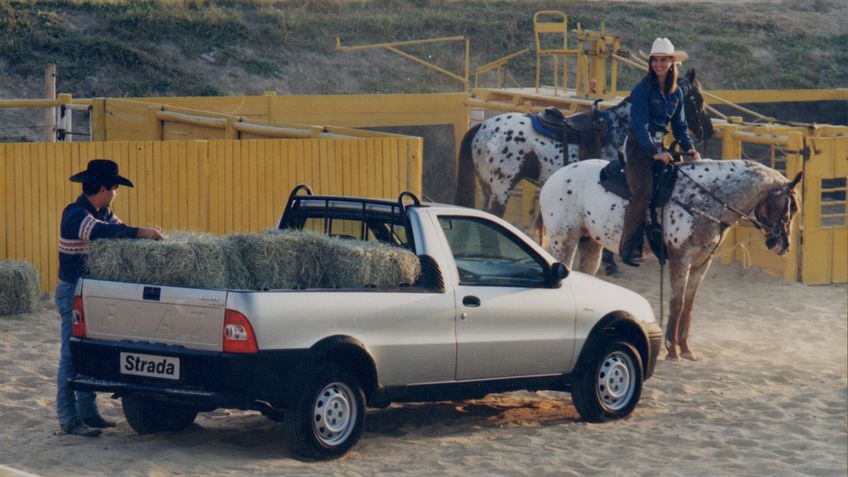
(471, 301)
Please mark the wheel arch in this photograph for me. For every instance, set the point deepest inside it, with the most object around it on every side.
(352, 355)
(620, 324)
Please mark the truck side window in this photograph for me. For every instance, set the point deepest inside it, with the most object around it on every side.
(487, 254)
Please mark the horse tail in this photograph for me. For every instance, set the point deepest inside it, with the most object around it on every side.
(465, 184)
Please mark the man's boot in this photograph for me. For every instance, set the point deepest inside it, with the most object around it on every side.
(78, 428)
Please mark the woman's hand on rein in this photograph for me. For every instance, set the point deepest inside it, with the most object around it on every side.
(664, 157)
(694, 155)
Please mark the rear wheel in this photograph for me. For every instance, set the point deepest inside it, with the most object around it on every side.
(329, 416)
(610, 384)
(147, 415)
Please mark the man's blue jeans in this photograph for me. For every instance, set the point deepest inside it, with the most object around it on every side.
(70, 405)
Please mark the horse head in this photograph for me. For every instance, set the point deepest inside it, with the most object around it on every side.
(775, 212)
(693, 104)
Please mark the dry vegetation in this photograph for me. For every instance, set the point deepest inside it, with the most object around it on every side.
(206, 47)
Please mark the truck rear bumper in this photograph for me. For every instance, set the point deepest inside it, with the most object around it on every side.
(215, 379)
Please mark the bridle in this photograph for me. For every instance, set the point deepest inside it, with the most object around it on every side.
(770, 231)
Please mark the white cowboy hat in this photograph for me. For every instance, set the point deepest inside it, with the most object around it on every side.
(663, 47)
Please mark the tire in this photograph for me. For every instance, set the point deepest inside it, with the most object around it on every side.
(147, 415)
(609, 385)
(329, 416)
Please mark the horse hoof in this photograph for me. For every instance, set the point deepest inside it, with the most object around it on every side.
(671, 357)
(689, 355)
(611, 271)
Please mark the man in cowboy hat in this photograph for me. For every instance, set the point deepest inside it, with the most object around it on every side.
(88, 218)
(655, 102)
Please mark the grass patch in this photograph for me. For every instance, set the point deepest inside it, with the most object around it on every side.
(143, 47)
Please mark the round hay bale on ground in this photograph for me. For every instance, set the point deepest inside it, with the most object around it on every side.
(20, 288)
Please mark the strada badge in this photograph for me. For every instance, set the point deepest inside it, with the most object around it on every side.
(149, 365)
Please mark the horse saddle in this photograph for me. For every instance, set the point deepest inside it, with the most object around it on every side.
(585, 130)
(613, 180)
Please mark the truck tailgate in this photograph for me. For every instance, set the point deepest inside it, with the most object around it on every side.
(189, 317)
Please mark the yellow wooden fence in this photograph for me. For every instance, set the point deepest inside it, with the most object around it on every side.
(206, 186)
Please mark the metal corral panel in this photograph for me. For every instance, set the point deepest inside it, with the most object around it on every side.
(216, 186)
(825, 249)
(819, 252)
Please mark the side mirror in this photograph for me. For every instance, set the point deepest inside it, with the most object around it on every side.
(558, 273)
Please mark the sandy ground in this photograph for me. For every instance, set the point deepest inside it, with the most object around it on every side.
(769, 397)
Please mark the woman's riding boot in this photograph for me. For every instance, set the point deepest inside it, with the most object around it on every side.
(637, 170)
(631, 249)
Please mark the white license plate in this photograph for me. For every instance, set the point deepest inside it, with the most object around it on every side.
(149, 365)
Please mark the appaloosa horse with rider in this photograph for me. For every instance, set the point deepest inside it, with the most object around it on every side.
(504, 149)
(581, 210)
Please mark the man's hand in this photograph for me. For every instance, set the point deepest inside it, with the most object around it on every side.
(152, 233)
(693, 155)
(664, 157)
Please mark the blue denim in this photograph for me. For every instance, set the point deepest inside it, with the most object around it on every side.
(70, 405)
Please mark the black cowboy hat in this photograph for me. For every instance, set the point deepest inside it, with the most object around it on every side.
(101, 171)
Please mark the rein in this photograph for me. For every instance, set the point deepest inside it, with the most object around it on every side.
(766, 229)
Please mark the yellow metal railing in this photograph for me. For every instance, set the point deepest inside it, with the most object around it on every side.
(498, 65)
(392, 47)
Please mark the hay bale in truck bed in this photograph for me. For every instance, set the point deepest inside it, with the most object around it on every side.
(263, 261)
(184, 259)
(20, 288)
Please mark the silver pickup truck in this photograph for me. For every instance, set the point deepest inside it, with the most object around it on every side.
(491, 312)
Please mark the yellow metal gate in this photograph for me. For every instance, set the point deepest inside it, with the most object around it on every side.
(819, 252)
(824, 254)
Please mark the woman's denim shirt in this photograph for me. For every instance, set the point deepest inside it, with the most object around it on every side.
(651, 111)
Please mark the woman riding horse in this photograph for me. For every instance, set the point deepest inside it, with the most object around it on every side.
(656, 101)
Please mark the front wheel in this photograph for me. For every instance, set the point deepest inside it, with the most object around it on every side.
(147, 415)
(610, 384)
(329, 416)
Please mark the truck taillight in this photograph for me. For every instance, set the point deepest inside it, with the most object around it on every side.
(77, 318)
(238, 334)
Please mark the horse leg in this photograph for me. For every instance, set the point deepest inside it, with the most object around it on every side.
(493, 203)
(590, 256)
(696, 275)
(679, 275)
(563, 244)
(608, 259)
(496, 207)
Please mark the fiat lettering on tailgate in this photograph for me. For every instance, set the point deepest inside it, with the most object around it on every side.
(149, 365)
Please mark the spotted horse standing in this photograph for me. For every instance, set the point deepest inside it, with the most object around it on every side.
(505, 149)
(707, 197)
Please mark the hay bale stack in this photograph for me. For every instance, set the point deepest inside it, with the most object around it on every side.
(20, 288)
(354, 264)
(279, 259)
(184, 259)
(265, 261)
